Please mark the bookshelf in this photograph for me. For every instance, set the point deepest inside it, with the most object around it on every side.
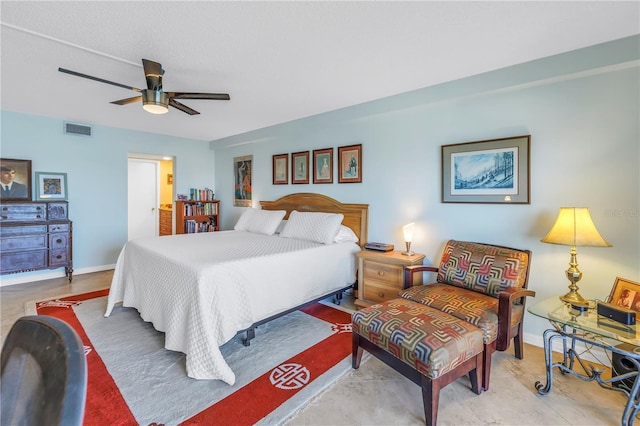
(197, 216)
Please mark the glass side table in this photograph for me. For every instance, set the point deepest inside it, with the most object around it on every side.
(586, 326)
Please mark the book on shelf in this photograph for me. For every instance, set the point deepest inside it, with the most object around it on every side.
(204, 209)
(193, 226)
(205, 194)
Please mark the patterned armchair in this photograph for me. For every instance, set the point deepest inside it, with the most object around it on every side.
(485, 285)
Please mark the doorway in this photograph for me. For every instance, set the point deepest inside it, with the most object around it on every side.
(147, 192)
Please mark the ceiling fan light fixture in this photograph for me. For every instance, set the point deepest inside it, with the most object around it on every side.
(155, 101)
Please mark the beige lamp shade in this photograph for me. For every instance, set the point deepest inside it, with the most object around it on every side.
(574, 227)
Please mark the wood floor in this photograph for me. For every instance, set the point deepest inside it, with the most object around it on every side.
(377, 395)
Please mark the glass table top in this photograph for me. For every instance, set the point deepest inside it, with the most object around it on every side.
(556, 311)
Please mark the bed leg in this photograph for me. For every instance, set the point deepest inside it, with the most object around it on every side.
(338, 298)
(251, 333)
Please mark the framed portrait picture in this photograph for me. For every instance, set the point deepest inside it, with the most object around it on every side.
(15, 179)
(51, 186)
(491, 171)
(300, 167)
(625, 293)
(281, 169)
(350, 164)
(242, 169)
(323, 165)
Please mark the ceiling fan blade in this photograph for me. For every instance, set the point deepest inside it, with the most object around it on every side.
(214, 96)
(182, 107)
(153, 72)
(127, 101)
(101, 80)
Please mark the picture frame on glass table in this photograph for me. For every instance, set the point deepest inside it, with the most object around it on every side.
(626, 294)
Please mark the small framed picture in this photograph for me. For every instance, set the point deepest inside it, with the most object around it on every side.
(350, 164)
(300, 167)
(281, 169)
(626, 294)
(15, 179)
(323, 165)
(51, 186)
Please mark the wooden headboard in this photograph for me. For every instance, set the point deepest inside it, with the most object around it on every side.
(356, 216)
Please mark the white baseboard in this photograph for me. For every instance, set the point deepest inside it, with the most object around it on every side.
(27, 277)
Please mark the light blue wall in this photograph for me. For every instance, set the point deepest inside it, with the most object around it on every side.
(581, 110)
(96, 170)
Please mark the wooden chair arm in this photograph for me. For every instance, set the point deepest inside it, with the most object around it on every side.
(411, 269)
(506, 299)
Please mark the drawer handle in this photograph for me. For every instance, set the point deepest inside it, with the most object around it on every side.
(5, 209)
(58, 241)
(58, 257)
(381, 273)
(380, 294)
(38, 216)
(5, 217)
(38, 208)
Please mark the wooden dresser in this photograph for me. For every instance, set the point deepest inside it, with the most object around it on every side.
(166, 221)
(381, 275)
(35, 235)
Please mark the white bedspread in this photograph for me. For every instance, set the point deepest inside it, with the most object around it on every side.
(201, 289)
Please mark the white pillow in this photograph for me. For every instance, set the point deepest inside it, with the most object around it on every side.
(313, 226)
(345, 235)
(243, 223)
(260, 221)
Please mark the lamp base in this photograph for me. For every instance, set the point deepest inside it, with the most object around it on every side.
(574, 298)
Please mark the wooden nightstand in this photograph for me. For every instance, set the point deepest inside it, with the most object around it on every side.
(381, 275)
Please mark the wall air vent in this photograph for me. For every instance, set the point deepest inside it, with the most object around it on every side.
(77, 129)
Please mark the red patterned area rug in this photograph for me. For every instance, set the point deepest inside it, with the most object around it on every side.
(133, 380)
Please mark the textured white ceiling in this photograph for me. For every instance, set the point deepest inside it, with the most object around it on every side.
(278, 60)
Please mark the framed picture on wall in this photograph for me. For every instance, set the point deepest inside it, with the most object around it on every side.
(281, 169)
(51, 186)
(300, 167)
(350, 164)
(15, 179)
(243, 170)
(491, 171)
(323, 165)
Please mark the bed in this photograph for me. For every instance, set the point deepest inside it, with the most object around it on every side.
(203, 289)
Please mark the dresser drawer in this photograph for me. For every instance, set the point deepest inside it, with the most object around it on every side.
(390, 274)
(59, 240)
(26, 260)
(58, 257)
(7, 231)
(57, 211)
(59, 227)
(23, 212)
(23, 243)
(376, 291)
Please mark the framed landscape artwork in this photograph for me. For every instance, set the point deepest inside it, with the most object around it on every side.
(15, 177)
(491, 171)
(281, 169)
(300, 167)
(242, 168)
(350, 164)
(323, 165)
(51, 186)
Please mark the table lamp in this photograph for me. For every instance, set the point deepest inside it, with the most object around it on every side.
(407, 231)
(574, 227)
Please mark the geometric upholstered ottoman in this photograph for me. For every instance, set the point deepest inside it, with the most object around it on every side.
(428, 346)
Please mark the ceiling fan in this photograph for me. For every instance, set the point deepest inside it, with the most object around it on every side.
(154, 99)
